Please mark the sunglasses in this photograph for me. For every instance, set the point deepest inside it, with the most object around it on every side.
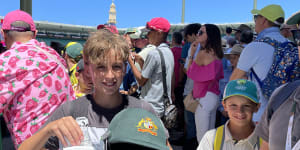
(200, 32)
(256, 16)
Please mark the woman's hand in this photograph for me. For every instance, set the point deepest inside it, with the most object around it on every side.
(194, 46)
(66, 128)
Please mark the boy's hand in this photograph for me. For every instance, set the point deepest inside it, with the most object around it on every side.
(66, 128)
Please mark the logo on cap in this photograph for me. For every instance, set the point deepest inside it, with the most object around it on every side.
(241, 85)
(241, 82)
(147, 125)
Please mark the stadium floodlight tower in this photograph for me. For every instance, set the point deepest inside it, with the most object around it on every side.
(183, 12)
(26, 5)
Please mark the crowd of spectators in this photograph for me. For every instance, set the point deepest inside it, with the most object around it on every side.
(110, 94)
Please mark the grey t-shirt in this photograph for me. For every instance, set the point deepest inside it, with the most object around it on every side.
(274, 131)
(98, 117)
(153, 90)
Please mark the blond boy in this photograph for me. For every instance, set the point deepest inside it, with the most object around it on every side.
(106, 54)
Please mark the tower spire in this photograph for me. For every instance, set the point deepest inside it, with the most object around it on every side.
(112, 19)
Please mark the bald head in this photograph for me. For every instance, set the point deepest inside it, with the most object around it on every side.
(11, 36)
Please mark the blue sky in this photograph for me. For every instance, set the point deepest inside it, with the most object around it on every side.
(132, 13)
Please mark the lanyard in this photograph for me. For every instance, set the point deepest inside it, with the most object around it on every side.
(288, 143)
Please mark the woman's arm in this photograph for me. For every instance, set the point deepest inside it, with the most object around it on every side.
(193, 49)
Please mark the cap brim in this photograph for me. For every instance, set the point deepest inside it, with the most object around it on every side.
(145, 30)
(257, 102)
(294, 19)
(227, 55)
(237, 30)
(134, 36)
(255, 11)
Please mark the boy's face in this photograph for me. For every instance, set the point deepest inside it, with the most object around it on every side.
(84, 82)
(108, 74)
(240, 110)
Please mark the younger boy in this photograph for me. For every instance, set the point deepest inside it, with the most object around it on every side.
(240, 101)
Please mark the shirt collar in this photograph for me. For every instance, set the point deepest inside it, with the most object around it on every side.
(163, 45)
(252, 139)
(150, 45)
(28, 43)
(266, 31)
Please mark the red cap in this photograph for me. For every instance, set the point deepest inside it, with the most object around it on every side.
(111, 28)
(159, 24)
(17, 15)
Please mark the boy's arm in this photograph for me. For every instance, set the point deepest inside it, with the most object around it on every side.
(64, 128)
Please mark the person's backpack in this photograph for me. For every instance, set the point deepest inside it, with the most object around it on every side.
(285, 67)
(219, 139)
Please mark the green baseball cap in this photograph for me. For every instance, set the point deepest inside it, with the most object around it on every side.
(271, 12)
(134, 33)
(137, 126)
(241, 87)
(74, 49)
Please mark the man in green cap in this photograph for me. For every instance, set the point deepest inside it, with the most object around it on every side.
(280, 124)
(258, 56)
(73, 53)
